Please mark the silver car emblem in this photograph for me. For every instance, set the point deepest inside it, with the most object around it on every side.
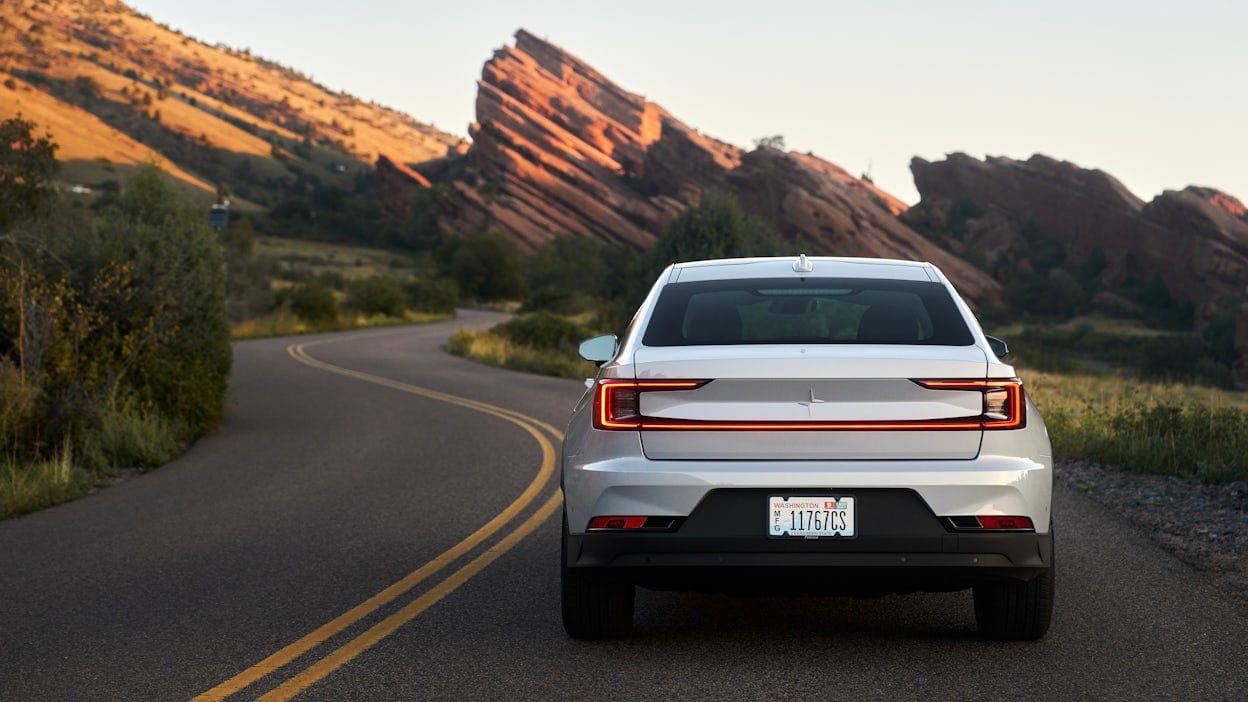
(809, 404)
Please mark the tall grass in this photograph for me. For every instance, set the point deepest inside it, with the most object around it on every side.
(1156, 427)
(485, 346)
(28, 486)
(283, 322)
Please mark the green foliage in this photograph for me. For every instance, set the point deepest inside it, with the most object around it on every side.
(486, 267)
(775, 141)
(1180, 356)
(114, 344)
(27, 164)
(1160, 308)
(717, 228)
(132, 439)
(378, 294)
(179, 273)
(437, 295)
(489, 347)
(1192, 440)
(314, 303)
(544, 330)
(961, 212)
(567, 275)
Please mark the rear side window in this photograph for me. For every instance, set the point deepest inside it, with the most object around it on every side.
(806, 311)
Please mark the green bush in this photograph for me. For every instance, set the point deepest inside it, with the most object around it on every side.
(313, 303)
(377, 294)
(486, 267)
(179, 288)
(436, 295)
(543, 330)
(130, 439)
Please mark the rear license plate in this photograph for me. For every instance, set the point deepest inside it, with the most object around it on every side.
(810, 517)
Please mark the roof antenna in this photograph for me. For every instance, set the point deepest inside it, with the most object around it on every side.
(802, 265)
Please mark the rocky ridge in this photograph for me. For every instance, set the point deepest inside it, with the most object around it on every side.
(560, 149)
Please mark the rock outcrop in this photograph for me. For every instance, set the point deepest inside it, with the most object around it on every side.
(560, 149)
(1195, 240)
(1003, 211)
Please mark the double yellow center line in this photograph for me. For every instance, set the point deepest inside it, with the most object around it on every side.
(336, 658)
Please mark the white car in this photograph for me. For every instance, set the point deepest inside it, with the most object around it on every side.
(811, 425)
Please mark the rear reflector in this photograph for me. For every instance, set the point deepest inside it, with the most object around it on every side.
(617, 522)
(991, 522)
(1005, 523)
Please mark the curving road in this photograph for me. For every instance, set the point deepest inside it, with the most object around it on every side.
(373, 521)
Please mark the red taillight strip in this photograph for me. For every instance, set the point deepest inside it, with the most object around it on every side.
(605, 416)
(1016, 417)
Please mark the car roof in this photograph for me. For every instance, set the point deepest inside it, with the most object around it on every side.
(820, 267)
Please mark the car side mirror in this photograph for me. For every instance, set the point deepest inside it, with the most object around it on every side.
(999, 347)
(599, 349)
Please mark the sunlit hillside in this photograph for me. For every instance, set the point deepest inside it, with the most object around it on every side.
(116, 88)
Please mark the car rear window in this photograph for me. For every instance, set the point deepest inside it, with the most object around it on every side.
(806, 311)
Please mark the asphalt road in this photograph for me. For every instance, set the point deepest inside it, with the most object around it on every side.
(312, 530)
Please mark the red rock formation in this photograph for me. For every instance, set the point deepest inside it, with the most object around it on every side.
(394, 182)
(558, 148)
(1195, 239)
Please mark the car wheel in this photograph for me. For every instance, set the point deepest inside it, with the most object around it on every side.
(1017, 611)
(593, 606)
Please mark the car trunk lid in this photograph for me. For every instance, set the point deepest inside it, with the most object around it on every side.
(817, 402)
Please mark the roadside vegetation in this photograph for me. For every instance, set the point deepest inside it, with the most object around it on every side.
(114, 339)
(1153, 397)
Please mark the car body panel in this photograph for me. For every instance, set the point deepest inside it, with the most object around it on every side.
(674, 473)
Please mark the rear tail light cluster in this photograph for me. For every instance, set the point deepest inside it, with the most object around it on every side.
(991, 522)
(1004, 407)
(617, 406)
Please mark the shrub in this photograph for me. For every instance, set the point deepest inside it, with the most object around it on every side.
(313, 303)
(377, 294)
(486, 266)
(543, 330)
(437, 295)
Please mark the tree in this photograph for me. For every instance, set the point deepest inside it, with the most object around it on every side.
(775, 141)
(486, 266)
(716, 228)
(27, 164)
(567, 273)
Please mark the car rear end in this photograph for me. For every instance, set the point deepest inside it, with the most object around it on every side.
(820, 426)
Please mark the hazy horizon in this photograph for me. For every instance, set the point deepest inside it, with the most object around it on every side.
(1147, 91)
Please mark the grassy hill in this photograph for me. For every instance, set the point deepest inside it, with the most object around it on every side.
(117, 89)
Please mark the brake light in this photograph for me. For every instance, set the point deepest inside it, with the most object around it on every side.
(617, 404)
(1003, 406)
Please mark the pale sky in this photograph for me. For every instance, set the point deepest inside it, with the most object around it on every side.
(1152, 92)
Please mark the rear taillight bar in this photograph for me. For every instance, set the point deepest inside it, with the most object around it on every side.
(617, 406)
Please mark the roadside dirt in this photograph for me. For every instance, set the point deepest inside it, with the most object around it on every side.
(1204, 525)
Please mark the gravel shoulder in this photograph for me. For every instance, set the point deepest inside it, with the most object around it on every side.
(1206, 526)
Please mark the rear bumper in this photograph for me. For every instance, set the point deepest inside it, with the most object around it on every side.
(989, 484)
(901, 546)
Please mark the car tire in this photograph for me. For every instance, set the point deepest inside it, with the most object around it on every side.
(594, 607)
(1017, 611)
